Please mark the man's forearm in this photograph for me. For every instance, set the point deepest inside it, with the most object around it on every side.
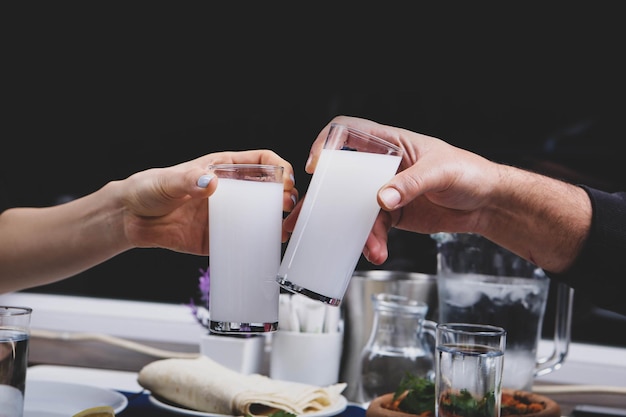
(542, 219)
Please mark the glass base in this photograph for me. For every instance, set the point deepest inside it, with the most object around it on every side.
(229, 327)
(294, 288)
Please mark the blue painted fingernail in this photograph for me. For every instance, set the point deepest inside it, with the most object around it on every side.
(204, 180)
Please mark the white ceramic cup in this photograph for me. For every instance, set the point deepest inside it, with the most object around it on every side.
(308, 358)
(242, 354)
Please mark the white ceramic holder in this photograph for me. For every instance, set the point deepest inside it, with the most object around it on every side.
(241, 354)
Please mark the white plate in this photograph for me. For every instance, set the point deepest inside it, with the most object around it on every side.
(56, 399)
(332, 411)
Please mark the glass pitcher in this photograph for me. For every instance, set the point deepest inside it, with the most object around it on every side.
(396, 345)
(481, 282)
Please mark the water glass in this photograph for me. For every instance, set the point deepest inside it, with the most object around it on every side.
(14, 338)
(468, 369)
(338, 212)
(245, 226)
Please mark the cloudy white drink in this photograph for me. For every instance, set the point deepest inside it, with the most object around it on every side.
(245, 224)
(338, 212)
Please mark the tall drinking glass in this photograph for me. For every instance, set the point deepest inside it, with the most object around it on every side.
(14, 338)
(337, 213)
(245, 226)
(468, 370)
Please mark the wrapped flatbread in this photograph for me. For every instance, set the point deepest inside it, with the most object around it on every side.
(202, 384)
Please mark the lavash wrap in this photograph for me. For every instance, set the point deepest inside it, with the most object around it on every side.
(202, 384)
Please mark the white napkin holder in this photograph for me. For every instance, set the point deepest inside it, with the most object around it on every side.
(241, 354)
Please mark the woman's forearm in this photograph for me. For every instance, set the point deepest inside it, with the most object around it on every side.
(43, 245)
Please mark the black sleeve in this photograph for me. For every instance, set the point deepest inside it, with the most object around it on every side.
(599, 272)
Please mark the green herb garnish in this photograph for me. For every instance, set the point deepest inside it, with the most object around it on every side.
(420, 395)
(464, 404)
(416, 395)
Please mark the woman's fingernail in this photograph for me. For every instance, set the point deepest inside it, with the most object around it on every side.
(204, 180)
(293, 179)
(390, 196)
(293, 198)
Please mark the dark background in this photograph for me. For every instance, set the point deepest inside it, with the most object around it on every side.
(92, 93)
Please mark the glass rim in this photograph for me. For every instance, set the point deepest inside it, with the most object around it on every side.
(366, 135)
(474, 329)
(234, 166)
(6, 311)
(401, 303)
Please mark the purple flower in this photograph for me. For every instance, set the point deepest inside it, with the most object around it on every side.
(204, 284)
(201, 312)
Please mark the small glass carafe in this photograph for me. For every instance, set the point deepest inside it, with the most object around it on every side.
(396, 345)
